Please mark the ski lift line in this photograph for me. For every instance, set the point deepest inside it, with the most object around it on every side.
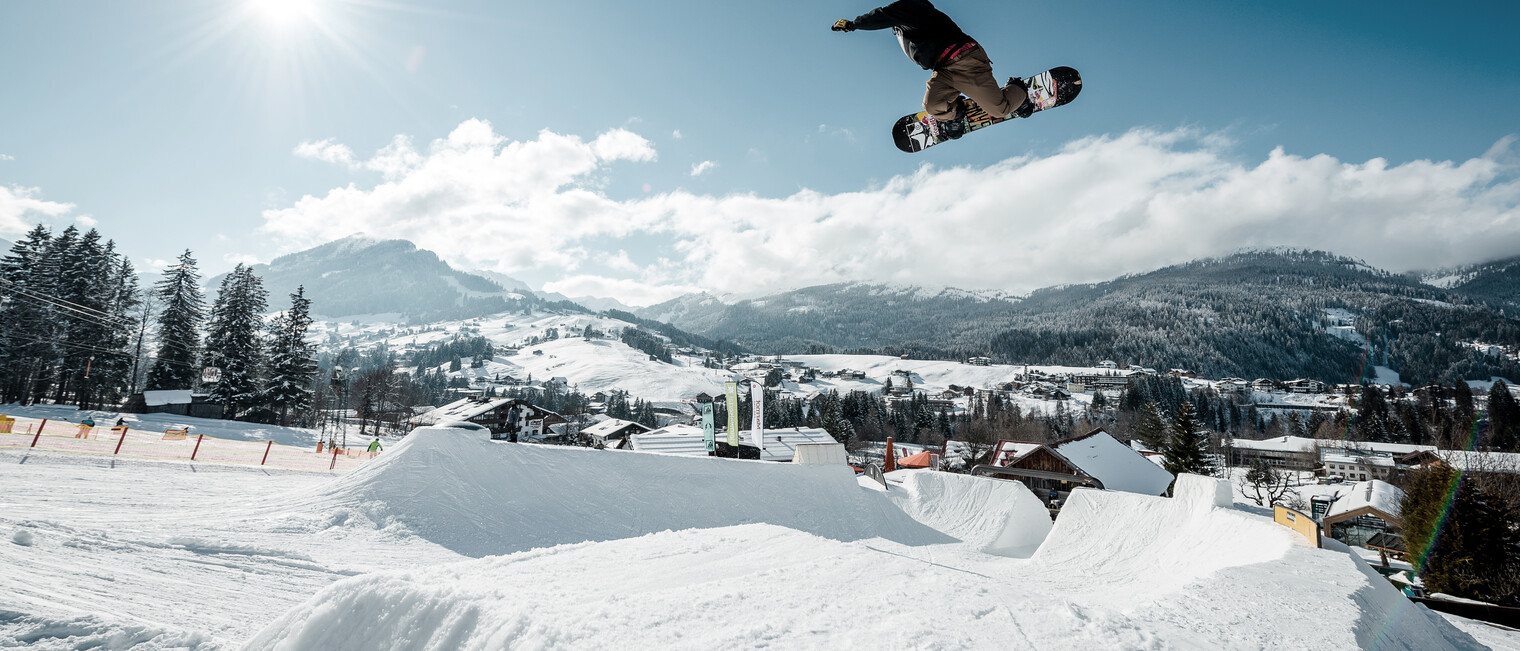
(61, 304)
(105, 351)
(103, 323)
(16, 287)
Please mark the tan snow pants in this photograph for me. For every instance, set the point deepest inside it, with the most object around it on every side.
(971, 74)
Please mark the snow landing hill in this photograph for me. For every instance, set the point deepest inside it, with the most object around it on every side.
(1253, 314)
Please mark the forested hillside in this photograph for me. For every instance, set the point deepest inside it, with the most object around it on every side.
(1256, 314)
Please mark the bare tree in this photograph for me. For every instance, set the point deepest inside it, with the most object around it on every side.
(1265, 486)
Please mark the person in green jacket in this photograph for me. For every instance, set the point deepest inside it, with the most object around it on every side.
(374, 446)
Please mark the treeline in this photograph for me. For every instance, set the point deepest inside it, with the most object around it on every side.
(678, 336)
(649, 343)
(453, 352)
(70, 316)
(75, 328)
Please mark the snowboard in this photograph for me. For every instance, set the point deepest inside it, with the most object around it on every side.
(1048, 89)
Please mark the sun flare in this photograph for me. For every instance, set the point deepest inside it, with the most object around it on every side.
(284, 13)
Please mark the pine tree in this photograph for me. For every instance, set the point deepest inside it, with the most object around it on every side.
(235, 340)
(26, 318)
(1503, 419)
(1463, 540)
(292, 360)
(1151, 430)
(1186, 449)
(179, 322)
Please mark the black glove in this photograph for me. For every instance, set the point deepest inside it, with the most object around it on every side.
(843, 25)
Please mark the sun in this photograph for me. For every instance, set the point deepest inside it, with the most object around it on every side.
(284, 14)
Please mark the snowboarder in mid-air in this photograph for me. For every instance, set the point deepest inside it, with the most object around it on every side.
(934, 42)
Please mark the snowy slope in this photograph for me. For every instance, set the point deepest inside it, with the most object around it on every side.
(1124, 571)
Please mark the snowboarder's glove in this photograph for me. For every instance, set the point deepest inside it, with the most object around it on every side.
(843, 25)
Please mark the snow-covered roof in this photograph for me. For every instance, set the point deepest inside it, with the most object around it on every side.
(1508, 462)
(161, 398)
(610, 426)
(461, 409)
(686, 440)
(1379, 497)
(1338, 456)
(1010, 451)
(1120, 468)
(1279, 444)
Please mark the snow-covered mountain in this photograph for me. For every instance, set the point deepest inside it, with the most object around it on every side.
(1496, 282)
(359, 275)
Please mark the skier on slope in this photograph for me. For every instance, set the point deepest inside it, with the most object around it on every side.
(375, 446)
(934, 42)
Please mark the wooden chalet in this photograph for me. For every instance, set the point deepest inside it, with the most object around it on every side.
(495, 415)
(1094, 460)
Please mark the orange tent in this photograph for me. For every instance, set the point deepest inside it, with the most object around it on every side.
(920, 460)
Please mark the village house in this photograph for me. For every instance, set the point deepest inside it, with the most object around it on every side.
(1284, 452)
(182, 403)
(1305, 386)
(494, 414)
(1366, 509)
(610, 433)
(1095, 460)
(979, 361)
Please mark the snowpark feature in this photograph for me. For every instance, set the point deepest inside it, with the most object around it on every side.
(991, 515)
(126, 560)
(479, 497)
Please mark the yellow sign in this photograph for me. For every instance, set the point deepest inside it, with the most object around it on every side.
(1303, 524)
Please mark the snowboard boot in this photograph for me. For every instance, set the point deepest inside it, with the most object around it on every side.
(1027, 108)
(954, 128)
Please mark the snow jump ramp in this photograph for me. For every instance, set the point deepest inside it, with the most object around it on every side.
(479, 497)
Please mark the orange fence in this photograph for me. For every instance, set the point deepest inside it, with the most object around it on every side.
(171, 445)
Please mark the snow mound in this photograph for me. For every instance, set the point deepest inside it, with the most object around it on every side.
(1118, 570)
(1162, 543)
(479, 497)
(992, 515)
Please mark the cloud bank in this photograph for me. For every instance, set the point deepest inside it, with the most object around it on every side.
(20, 209)
(1094, 209)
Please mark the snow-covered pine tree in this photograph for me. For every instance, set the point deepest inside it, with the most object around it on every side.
(1187, 449)
(1151, 430)
(25, 315)
(179, 339)
(235, 342)
(124, 298)
(292, 360)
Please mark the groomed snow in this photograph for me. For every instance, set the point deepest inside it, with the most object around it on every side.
(479, 497)
(708, 553)
(994, 516)
(1117, 571)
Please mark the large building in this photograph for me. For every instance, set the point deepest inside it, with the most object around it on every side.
(1095, 459)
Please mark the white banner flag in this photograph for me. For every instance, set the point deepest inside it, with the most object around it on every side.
(757, 414)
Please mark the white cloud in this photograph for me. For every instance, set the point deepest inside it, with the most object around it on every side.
(156, 263)
(7, 157)
(20, 208)
(1096, 208)
(627, 290)
(241, 258)
(703, 167)
(676, 134)
(87, 221)
(327, 151)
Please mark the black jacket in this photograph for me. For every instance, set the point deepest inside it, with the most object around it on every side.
(924, 32)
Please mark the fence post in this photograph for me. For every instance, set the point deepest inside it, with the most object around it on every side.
(197, 449)
(120, 441)
(266, 453)
(39, 434)
(334, 463)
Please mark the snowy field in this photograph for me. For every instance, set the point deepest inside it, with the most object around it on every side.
(452, 541)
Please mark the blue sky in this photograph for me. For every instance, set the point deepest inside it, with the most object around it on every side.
(176, 124)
